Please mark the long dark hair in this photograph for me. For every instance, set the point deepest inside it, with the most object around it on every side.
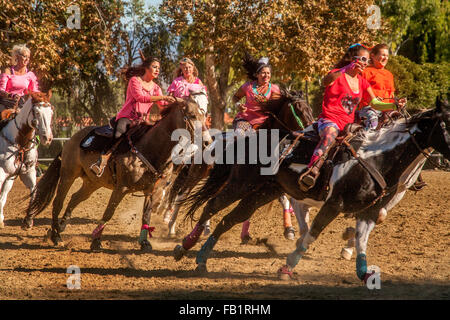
(139, 70)
(349, 54)
(253, 66)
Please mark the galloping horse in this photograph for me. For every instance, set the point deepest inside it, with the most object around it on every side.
(18, 144)
(138, 169)
(394, 154)
(293, 113)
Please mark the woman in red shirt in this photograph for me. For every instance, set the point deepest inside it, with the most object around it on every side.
(142, 92)
(344, 89)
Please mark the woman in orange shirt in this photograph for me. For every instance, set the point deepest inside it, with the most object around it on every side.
(382, 83)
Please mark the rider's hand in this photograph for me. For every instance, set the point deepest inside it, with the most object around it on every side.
(169, 99)
(240, 107)
(401, 103)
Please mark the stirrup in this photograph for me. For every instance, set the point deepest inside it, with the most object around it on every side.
(306, 181)
(95, 168)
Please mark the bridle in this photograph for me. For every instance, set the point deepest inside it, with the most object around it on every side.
(427, 155)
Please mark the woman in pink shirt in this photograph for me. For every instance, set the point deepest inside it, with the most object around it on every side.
(186, 79)
(256, 91)
(16, 80)
(142, 92)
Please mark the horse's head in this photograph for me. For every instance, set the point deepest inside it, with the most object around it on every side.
(40, 116)
(194, 114)
(434, 126)
(300, 107)
(441, 136)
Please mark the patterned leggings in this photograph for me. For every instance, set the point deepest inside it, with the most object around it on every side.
(328, 131)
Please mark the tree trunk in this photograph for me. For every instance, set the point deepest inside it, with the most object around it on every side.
(217, 103)
(306, 91)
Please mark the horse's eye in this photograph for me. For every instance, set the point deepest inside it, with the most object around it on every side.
(34, 122)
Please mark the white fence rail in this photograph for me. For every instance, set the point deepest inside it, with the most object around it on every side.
(51, 159)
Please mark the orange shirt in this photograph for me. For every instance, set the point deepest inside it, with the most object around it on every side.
(382, 83)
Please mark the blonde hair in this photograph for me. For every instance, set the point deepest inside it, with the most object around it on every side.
(16, 50)
(179, 71)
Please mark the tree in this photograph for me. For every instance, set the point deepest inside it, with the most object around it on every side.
(301, 37)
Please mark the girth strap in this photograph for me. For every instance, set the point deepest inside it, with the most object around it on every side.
(366, 165)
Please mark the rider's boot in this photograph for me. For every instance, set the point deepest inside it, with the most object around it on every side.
(308, 179)
(99, 167)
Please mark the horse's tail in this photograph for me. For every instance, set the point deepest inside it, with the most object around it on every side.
(45, 189)
(219, 177)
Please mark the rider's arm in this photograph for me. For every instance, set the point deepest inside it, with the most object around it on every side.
(238, 95)
(33, 86)
(377, 104)
(139, 95)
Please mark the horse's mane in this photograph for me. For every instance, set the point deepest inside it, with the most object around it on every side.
(168, 109)
(274, 105)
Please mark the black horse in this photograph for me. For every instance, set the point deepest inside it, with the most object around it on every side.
(395, 153)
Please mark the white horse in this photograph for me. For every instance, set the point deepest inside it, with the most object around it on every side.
(18, 145)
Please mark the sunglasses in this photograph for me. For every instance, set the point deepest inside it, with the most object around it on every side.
(362, 58)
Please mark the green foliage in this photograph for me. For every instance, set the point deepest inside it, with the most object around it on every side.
(420, 84)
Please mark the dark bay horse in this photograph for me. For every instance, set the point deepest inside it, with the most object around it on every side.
(126, 173)
(289, 113)
(395, 152)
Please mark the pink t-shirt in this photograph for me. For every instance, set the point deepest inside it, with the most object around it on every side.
(180, 87)
(254, 114)
(17, 84)
(138, 103)
(340, 102)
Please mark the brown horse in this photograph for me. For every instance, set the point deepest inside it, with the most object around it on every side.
(126, 173)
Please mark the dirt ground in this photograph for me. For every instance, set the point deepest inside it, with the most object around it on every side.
(411, 248)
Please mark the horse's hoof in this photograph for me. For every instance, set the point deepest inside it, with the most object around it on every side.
(349, 233)
(207, 231)
(146, 246)
(201, 268)
(179, 252)
(96, 245)
(27, 224)
(54, 237)
(245, 239)
(285, 274)
(347, 253)
(171, 234)
(289, 233)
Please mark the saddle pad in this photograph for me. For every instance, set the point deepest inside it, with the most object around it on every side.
(94, 142)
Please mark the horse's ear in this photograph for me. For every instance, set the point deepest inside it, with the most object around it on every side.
(438, 104)
(49, 94)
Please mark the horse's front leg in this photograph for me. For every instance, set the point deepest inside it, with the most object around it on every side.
(363, 228)
(5, 186)
(242, 212)
(116, 196)
(29, 180)
(145, 228)
(327, 213)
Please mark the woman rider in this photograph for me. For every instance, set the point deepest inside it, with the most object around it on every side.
(17, 79)
(142, 92)
(344, 89)
(257, 91)
(186, 80)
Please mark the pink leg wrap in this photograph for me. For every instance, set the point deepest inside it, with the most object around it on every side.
(192, 238)
(245, 227)
(149, 229)
(97, 233)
